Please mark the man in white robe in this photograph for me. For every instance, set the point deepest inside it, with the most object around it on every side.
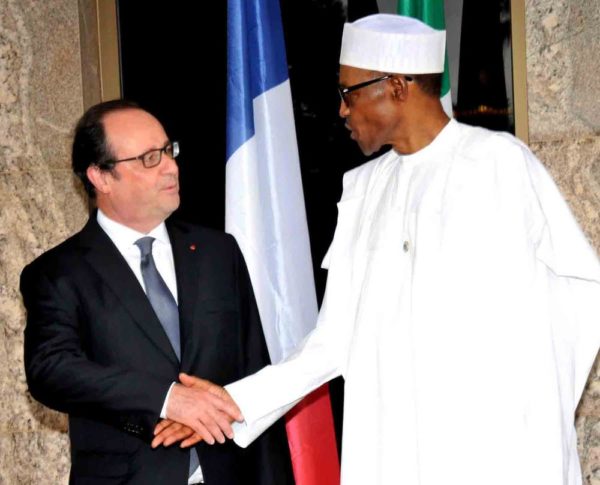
(463, 301)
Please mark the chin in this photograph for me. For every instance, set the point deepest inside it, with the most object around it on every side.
(173, 198)
(370, 148)
(172, 205)
(366, 150)
(364, 147)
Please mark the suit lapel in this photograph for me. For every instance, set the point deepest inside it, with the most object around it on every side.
(188, 256)
(107, 261)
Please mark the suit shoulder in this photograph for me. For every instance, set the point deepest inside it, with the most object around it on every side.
(55, 259)
(206, 235)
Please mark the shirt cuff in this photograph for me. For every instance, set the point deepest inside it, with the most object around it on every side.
(163, 411)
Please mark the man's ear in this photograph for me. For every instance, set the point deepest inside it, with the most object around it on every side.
(399, 88)
(99, 178)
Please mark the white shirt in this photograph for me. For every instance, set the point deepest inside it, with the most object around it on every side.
(124, 239)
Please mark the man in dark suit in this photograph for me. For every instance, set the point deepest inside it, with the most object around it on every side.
(117, 311)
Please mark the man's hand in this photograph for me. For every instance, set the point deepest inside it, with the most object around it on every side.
(197, 383)
(168, 432)
(204, 407)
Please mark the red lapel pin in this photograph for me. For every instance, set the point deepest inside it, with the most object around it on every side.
(192, 247)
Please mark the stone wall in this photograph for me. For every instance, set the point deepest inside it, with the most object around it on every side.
(40, 205)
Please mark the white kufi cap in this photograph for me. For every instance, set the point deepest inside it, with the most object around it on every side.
(394, 44)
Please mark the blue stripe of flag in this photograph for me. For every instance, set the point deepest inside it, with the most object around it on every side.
(256, 62)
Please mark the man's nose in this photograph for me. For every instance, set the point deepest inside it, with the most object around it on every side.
(344, 109)
(169, 164)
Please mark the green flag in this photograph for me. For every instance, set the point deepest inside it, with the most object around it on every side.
(431, 12)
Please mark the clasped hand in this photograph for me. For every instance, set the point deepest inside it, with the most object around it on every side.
(197, 410)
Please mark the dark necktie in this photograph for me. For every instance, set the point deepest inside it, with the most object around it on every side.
(159, 295)
(164, 306)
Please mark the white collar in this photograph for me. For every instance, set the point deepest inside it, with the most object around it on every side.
(125, 237)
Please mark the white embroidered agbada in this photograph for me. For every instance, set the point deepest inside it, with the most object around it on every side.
(463, 310)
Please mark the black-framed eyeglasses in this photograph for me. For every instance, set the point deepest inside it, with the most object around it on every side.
(152, 158)
(345, 91)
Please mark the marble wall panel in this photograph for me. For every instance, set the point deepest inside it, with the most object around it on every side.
(562, 68)
(20, 462)
(40, 205)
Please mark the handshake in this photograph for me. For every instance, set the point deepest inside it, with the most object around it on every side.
(197, 410)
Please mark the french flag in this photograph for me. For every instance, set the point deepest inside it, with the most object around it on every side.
(264, 210)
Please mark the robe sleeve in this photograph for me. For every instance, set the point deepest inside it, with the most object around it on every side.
(267, 461)
(267, 395)
(574, 276)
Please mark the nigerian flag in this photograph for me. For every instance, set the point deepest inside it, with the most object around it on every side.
(432, 13)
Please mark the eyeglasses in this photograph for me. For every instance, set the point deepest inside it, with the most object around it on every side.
(345, 91)
(152, 157)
